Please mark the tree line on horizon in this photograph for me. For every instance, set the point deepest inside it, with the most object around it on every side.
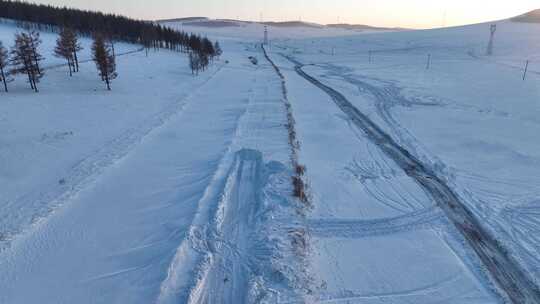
(24, 56)
(114, 27)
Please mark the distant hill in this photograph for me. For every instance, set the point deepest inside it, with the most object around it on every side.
(293, 24)
(215, 23)
(186, 19)
(212, 23)
(362, 27)
(530, 17)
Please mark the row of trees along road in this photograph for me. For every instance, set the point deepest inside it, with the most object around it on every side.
(199, 60)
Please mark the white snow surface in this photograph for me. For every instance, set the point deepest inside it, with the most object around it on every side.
(177, 189)
(471, 116)
(131, 196)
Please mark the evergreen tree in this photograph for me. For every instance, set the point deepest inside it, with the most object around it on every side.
(64, 49)
(217, 48)
(208, 48)
(194, 63)
(204, 61)
(104, 59)
(50, 18)
(4, 58)
(74, 46)
(34, 41)
(25, 58)
(147, 39)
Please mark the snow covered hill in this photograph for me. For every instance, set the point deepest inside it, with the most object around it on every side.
(532, 17)
(225, 28)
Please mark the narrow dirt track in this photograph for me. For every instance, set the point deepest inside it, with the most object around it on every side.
(503, 268)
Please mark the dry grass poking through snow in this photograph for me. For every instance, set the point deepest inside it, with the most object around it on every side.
(300, 188)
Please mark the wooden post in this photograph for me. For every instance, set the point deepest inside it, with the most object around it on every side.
(370, 54)
(428, 62)
(526, 68)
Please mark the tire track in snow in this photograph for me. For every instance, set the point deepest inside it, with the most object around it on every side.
(226, 276)
(523, 225)
(514, 282)
(344, 228)
(31, 209)
(195, 253)
(406, 295)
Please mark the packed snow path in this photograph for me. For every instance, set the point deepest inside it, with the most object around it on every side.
(226, 278)
(228, 250)
(503, 268)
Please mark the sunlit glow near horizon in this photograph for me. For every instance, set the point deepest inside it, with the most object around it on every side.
(387, 13)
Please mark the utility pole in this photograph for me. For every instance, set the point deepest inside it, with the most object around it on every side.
(493, 29)
(265, 35)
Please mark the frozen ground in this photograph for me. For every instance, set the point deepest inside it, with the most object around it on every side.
(177, 189)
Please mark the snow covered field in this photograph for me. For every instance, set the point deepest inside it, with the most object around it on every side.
(470, 117)
(132, 196)
(58, 140)
(177, 189)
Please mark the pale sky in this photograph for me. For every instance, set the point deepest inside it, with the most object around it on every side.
(398, 13)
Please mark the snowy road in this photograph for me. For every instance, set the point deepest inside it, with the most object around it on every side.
(517, 285)
(226, 277)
